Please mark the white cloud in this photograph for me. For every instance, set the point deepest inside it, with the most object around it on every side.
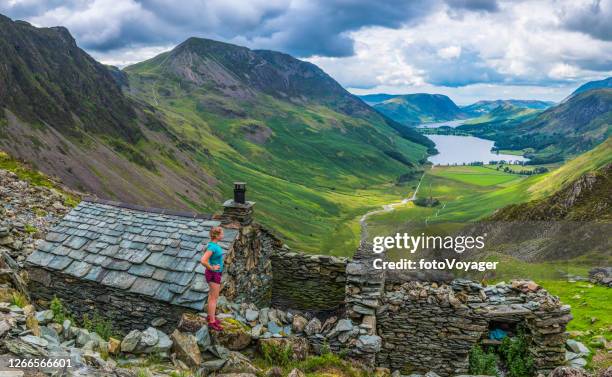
(449, 52)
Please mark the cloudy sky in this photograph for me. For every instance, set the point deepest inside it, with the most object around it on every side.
(468, 49)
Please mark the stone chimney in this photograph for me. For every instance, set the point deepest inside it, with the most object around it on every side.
(238, 209)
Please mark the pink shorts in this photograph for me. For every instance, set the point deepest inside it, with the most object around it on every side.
(213, 276)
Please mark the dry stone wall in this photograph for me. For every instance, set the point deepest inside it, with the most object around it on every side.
(127, 311)
(431, 327)
(308, 282)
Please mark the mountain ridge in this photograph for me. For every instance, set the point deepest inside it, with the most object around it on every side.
(416, 108)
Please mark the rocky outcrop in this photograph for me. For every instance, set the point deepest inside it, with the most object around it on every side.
(27, 212)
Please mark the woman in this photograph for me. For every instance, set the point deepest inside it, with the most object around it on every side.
(212, 260)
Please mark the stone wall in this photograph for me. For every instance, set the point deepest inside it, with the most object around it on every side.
(248, 276)
(426, 326)
(127, 311)
(308, 282)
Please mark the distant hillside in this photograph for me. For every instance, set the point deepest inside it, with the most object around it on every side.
(302, 142)
(373, 99)
(484, 107)
(504, 113)
(568, 218)
(600, 84)
(572, 127)
(412, 109)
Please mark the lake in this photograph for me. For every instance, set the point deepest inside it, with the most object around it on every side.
(465, 149)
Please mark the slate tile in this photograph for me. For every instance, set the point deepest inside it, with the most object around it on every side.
(59, 262)
(134, 256)
(143, 270)
(185, 265)
(180, 278)
(199, 283)
(190, 297)
(78, 254)
(78, 268)
(111, 240)
(160, 274)
(163, 293)
(76, 242)
(110, 251)
(118, 279)
(96, 259)
(160, 260)
(171, 251)
(187, 253)
(61, 250)
(145, 286)
(116, 264)
(56, 237)
(156, 248)
(46, 246)
(188, 245)
(200, 269)
(40, 258)
(178, 289)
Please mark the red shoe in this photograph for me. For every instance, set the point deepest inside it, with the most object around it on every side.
(215, 326)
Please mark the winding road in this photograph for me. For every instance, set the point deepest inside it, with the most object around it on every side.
(386, 208)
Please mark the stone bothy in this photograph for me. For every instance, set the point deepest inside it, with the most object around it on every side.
(133, 264)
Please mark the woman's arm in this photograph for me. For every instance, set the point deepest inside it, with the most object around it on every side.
(206, 258)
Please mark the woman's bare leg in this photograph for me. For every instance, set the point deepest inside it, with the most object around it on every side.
(213, 295)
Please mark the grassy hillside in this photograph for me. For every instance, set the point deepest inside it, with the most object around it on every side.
(412, 109)
(568, 129)
(313, 163)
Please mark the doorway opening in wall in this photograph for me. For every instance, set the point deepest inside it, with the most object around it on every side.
(503, 350)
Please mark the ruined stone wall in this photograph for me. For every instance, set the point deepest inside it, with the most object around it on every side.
(127, 311)
(248, 276)
(308, 282)
(426, 326)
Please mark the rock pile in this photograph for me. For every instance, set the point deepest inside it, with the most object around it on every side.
(27, 212)
(601, 275)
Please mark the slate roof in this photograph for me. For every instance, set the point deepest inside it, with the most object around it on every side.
(151, 252)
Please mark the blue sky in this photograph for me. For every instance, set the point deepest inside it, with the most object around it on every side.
(467, 49)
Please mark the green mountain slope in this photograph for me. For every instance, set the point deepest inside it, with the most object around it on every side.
(484, 107)
(505, 113)
(412, 109)
(64, 113)
(310, 151)
(572, 127)
(600, 84)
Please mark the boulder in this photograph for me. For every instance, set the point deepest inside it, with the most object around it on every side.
(32, 325)
(369, 343)
(568, 372)
(251, 315)
(313, 327)
(114, 345)
(203, 338)
(149, 338)
(238, 363)
(35, 340)
(299, 323)
(191, 322)
(235, 335)
(212, 366)
(299, 346)
(577, 347)
(163, 344)
(129, 343)
(44, 316)
(186, 348)
(295, 372)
